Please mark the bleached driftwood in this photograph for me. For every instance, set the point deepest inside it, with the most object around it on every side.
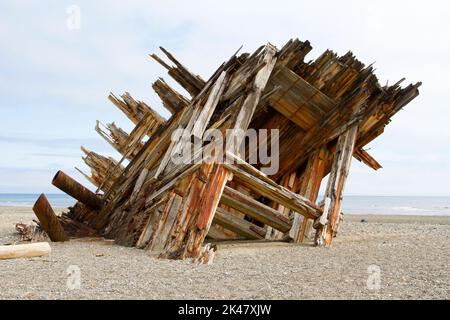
(37, 249)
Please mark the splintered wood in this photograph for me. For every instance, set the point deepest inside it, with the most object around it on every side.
(186, 182)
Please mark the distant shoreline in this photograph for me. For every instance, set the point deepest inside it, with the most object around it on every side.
(385, 217)
(354, 205)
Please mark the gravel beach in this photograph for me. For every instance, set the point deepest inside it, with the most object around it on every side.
(385, 257)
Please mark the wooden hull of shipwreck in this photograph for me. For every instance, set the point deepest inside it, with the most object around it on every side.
(326, 111)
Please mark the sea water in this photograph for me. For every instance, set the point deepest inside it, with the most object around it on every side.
(396, 205)
(388, 205)
(28, 199)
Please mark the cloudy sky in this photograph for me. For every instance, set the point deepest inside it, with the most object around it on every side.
(54, 80)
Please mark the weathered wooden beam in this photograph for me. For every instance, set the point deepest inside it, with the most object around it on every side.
(289, 181)
(48, 220)
(255, 209)
(210, 105)
(134, 142)
(220, 233)
(197, 124)
(148, 157)
(326, 225)
(293, 53)
(252, 99)
(74, 189)
(28, 250)
(350, 110)
(363, 156)
(172, 100)
(190, 82)
(238, 225)
(136, 110)
(204, 214)
(165, 222)
(117, 138)
(309, 187)
(395, 100)
(100, 166)
(276, 193)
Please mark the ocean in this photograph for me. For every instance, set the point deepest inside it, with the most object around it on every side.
(387, 205)
(28, 199)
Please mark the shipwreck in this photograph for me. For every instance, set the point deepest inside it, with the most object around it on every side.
(319, 113)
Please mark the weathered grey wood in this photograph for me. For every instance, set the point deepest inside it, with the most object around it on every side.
(326, 225)
(309, 187)
(255, 209)
(238, 225)
(252, 99)
(197, 124)
(210, 105)
(276, 193)
(172, 100)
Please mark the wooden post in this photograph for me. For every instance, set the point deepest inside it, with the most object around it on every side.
(48, 219)
(255, 209)
(238, 225)
(28, 250)
(309, 188)
(288, 181)
(326, 225)
(206, 210)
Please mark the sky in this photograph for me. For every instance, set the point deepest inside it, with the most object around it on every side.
(55, 79)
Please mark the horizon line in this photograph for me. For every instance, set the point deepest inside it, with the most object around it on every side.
(320, 195)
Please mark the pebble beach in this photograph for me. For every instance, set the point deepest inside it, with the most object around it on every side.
(373, 257)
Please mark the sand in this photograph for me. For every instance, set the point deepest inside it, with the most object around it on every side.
(387, 257)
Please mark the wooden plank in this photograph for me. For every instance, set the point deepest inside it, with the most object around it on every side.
(205, 211)
(326, 225)
(349, 110)
(252, 99)
(363, 156)
(147, 158)
(310, 185)
(238, 225)
(153, 213)
(118, 139)
(168, 217)
(255, 209)
(289, 181)
(134, 110)
(172, 100)
(190, 82)
(177, 243)
(210, 105)
(197, 124)
(276, 193)
(100, 166)
(298, 100)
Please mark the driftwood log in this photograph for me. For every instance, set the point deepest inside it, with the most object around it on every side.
(28, 250)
